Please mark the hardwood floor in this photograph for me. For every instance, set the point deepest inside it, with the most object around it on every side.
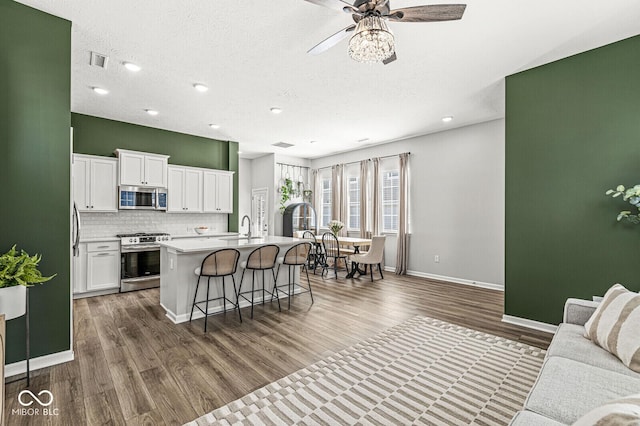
(133, 366)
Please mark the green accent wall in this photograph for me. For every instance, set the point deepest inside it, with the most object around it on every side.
(234, 165)
(572, 132)
(35, 152)
(100, 136)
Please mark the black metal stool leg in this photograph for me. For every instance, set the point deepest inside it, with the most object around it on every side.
(253, 279)
(224, 298)
(274, 283)
(309, 284)
(194, 298)
(237, 297)
(289, 285)
(206, 309)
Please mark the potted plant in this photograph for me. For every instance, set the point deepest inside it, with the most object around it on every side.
(631, 195)
(286, 192)
(335, 226)
(17, 272)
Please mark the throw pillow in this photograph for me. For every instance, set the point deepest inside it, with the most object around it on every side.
(624, 411)
(615, 323)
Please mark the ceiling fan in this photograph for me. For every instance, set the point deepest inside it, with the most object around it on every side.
(371, 40)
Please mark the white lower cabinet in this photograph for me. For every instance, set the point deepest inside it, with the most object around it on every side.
(97, 267)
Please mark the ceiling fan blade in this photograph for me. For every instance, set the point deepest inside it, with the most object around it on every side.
(338, 5)
(331, 41)
(390, 59)
(357, 18)
(428, 13)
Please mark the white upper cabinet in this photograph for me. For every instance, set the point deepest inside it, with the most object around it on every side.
(218, 191)
(95, 183)
(142, 169)
(184, 190)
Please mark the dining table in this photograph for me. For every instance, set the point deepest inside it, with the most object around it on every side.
(356, 243)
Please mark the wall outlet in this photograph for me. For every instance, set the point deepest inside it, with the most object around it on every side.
(436, 258)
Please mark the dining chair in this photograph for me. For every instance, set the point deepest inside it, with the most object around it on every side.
(262, 259)
(332, 250)
(218, 264)
(316, 254)
(371, 257)
(297, 255)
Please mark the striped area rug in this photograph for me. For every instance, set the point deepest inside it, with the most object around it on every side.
(423, 371)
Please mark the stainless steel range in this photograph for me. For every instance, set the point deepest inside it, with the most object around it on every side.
(140, 260)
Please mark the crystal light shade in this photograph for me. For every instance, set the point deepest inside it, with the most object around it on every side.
(372, 42)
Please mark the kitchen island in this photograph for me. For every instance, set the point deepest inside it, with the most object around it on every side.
(180, 258)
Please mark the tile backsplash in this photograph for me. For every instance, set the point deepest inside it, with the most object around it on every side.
(97, 225)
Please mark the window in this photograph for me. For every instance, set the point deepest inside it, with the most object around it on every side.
(326, 203)
(390, 200)
(354, 202)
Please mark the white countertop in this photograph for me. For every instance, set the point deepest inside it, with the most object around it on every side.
(207, 235)
(190, 245)
(99, 239)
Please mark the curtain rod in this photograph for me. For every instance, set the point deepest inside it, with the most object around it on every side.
(368, 159)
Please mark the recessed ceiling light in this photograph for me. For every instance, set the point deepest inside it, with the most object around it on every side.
(131, 66)
(214, 126)
(276, 110)
(100, 90)
(151, 111)
(200, 87)
(447, 119)
(363, 140)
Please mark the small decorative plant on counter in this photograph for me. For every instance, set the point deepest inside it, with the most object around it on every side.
(20, 269)
(632, 196)
(335, 226)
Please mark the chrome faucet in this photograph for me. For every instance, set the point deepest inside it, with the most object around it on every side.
(242, 224)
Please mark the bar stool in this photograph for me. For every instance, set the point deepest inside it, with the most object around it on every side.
(220, 263)
(295, 256)
(261, 259)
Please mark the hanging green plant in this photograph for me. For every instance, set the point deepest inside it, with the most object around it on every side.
(286, 191)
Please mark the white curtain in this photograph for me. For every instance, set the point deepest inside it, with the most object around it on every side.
(338, 197)
(364, 199)
(316, 197)
(374, 228)
(402, 252)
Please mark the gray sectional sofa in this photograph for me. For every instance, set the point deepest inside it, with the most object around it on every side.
(577, 375)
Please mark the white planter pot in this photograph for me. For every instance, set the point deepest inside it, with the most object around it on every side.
(13, 301)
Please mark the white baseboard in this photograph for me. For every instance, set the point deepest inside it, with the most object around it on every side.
(20, 367)
(490, 286)
(535, 325)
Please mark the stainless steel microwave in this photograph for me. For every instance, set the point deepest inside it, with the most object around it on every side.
(140, 198)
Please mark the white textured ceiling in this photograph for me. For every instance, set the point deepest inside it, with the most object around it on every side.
(252, 55)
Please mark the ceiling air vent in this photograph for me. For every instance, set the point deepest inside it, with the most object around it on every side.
(99, 60)
(282, 145)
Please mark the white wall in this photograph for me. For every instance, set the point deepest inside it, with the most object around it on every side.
(244, 190)
(263, 176)
(457, 201)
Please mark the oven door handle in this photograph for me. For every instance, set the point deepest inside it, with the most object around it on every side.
(139, 249)
(139, 279)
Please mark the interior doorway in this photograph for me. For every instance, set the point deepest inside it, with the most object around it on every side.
(259, 210)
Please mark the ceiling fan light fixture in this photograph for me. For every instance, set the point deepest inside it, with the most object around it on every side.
(372, 42)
